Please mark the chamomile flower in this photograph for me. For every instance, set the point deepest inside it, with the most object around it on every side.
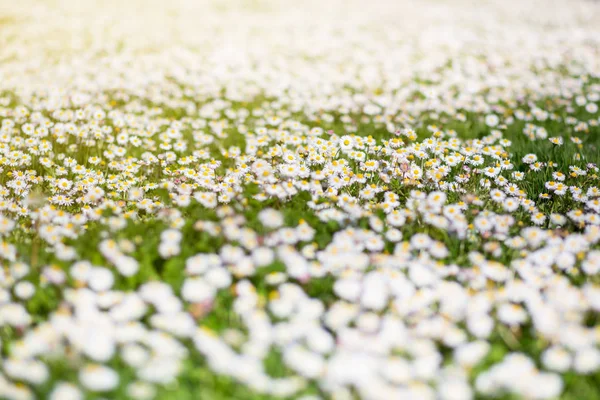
(98, 378)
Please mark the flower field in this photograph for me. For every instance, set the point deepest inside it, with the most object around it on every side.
(310, 200)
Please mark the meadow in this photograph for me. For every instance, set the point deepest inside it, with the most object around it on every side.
(309, 200)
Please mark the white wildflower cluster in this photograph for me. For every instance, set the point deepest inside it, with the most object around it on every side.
(308, 199)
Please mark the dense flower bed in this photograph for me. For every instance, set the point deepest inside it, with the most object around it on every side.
(309, 200)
